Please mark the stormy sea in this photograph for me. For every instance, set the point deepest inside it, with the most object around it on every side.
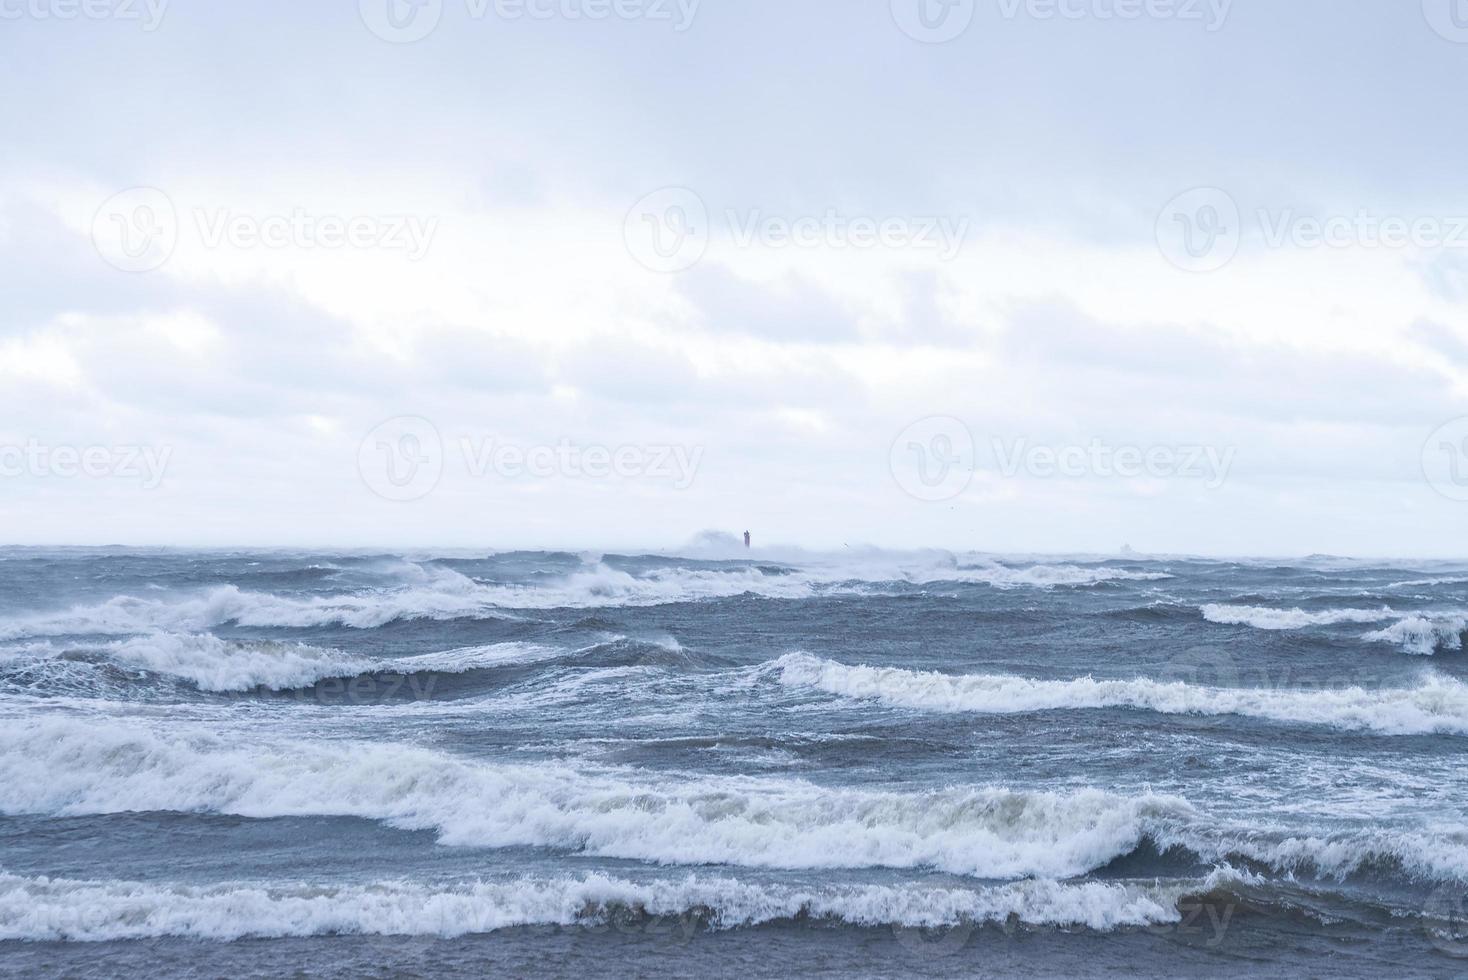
(729, 762)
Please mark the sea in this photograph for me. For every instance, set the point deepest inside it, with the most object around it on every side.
(728, 762)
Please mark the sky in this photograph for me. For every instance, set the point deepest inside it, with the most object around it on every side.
(1187, 276)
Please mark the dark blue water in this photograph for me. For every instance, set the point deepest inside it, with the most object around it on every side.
(757, 763)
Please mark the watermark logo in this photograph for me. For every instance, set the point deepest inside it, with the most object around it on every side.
(1449, 18)
(401, 21)
(146, 464)
(1200, 919)
(1447, 916)
(1212, 14)
(670, 229)
(1200, 229)
(933, 459)
(933, 21)
(401, 459)
(148, 14)
(1445, 459)
(1364, 229)
(1210, 464)
(938, 942)
(302, 229)
(406, 21)
(835, 230)
(136, 230)
(675, 464)
(405, 458)
(667, 230)
(1201, 666)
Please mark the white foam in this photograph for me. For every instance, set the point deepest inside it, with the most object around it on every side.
(446, 595)
(1417, 633)
(1423, 635)
(59, 909)
(1436, 703)
(1448, 580)
(70, 766)
(218, 665)
(434, 592)
(1264, 618)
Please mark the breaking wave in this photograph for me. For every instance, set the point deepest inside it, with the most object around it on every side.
(67, 767)
(50, 909)
(70, 767)
(1436, 704)
(435, 592)
(1421, 633)
(1264, 618)
(219, 666)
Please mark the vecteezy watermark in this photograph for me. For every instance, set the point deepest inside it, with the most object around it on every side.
(1099, 459)
(302, 229)
(137, 230)
(933, 21)
(1215, 667)
(1449, 18)
(147, 464)
(835, 230)
(669, 230)
(1199, 918)
(367, 688)
(1445, 459)
(933, 459)
(938, 941)
(406, 21)
(1211, 14)
(148, 14)
(401, 459)
(1364, 229)
(405, 458)
(1200, 230)
(1447, 919)
(937, 21)
(675, 464)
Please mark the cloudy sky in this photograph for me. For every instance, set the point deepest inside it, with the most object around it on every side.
(1015, 275)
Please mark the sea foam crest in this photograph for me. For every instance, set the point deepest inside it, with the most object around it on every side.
(68, 767)
(430, 591)
(73, 767)
(219, 665)
(1418, 633)
(1437, 703)
(59, 909)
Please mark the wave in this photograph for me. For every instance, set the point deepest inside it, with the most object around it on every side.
(600, 584)
(1410, 583)
(1264, 618)
(1437, 704)
(60, 909)
(220, 666)
(1421, 633)
(1424, 635)
(450, 596)
(434, 592)
(68, 767)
